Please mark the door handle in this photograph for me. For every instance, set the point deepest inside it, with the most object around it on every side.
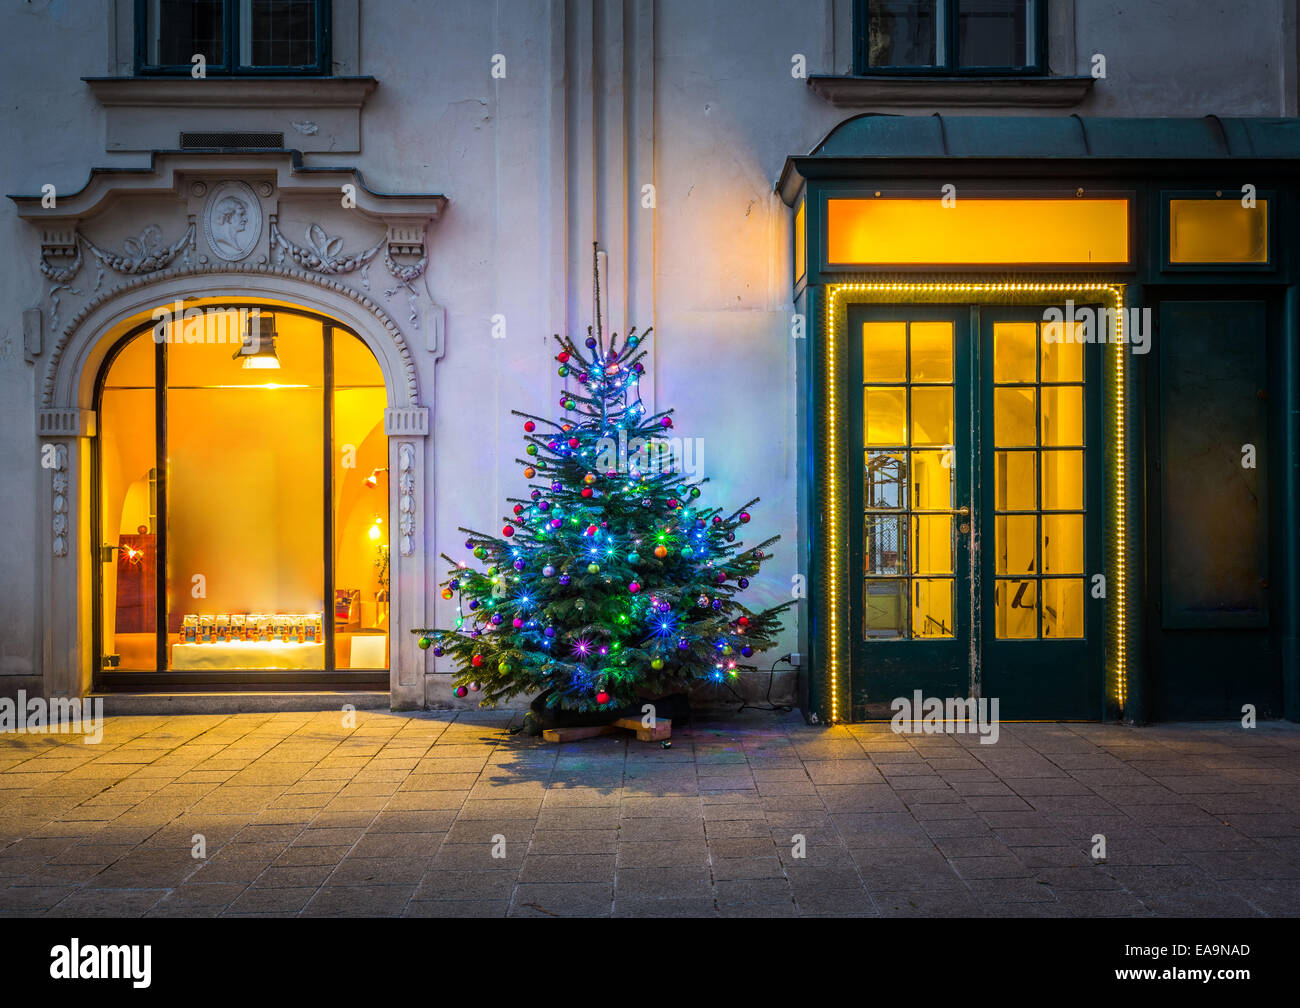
(963, 510)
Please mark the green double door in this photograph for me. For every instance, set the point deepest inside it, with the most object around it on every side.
(976, 515)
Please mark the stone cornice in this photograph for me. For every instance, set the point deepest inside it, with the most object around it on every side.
(232, 92)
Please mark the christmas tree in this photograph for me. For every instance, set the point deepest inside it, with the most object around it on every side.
(612, 580)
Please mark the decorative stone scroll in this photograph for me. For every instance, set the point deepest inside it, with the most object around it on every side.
(406, 497)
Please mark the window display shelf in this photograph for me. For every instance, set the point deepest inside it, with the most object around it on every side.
(249, 655)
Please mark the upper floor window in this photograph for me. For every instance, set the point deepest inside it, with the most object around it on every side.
(289, 37)
(949, 36)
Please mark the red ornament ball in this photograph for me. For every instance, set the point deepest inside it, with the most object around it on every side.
(508, 531)
(461, 691)
(476, 661)
(744, 517)
(518, 509)
(743, 621)
(602, 697)
(562, 357)
(634, 587)
(672, 502)
(591, 530)
(586, 491)
(529, 426)
(573, 442)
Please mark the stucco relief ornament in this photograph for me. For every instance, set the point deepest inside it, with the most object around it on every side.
(61, 277)
(323, 254)
(232, 221)
(405, 275)
(406, 500)
(59, 522)
(139, 256)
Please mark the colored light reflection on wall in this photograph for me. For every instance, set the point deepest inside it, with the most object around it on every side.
(977, 232)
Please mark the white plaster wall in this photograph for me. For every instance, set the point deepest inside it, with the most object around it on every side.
(531, 177)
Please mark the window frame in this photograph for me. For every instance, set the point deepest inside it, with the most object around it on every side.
(949, 14)
(230, 67)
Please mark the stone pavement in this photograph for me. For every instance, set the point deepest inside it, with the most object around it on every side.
(402, 814)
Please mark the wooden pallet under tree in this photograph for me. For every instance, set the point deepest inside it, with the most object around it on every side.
(660, 731)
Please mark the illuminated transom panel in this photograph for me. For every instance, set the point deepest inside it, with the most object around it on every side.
(1038, 482)
(907, 480)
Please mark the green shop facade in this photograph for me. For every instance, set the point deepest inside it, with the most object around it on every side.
(1050, 415)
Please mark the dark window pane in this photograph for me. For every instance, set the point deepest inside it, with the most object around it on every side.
(279, 33)
(902, 33)
(178, 29)
(993, 33)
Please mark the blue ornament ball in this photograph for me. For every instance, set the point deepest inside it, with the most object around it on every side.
(717, 603)
(496, 619)
(453, 584)
(743, 583)
(548, 571)
(564, 579)
(437, 652)
(683, 644)
(519, 565)
(591, 342)
(747, 651)
(473, 603)
(550, 631)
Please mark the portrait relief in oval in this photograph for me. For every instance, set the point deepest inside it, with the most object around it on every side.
(232, 220)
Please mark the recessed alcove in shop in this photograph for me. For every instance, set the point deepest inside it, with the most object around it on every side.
(241, 502)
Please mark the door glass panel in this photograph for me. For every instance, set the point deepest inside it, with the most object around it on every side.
(1014, 420)
(932, 484)
(1045, 414)
(1015, 480)
(886, 479)
(932, 607)
(1062, 480)
(1015, 349)
(884, 351)
(932, 416)
(886, 548)
(1063, 415)
(932, 352)
(1062, 608)
(908, 556)
(885, 416)
(932, 544)
(885, 608)
(1063, 544)
(1017, 539)
(1015, 609)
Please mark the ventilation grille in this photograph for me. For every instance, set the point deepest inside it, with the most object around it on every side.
(243, 141)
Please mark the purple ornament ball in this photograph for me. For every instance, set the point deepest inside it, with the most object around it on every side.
(743, 583)
(564, 579)
(519, 565)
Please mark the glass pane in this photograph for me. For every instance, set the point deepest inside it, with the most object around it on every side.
(1014, 417)
(885, 547)
(1063, 544)
(1062, 415)
(885, 416)
(885, 479)
(1062, 607)
(245, 501)
(361, 494)
(177, 30)
(932, 544)
(931, 352)
(278, 33)
(992, 33)
(1015, 480)
(932, 608)
(1063, 353)
(1062, 480)
(128, 511)
(932, 416)
(886, 608)
(1015, 346)
(1017, 537)
(932, 473)
(1015, 605)
(1218, 231)
(884, 351)
(902, 33)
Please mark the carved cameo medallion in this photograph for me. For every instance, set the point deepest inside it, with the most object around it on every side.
(232, 220)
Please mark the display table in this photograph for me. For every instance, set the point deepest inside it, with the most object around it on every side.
(249, 655)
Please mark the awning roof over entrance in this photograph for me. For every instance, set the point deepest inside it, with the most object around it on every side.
(873, 138)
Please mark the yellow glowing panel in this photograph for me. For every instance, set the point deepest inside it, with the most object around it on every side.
(1016, 541)
(915, 232)
(885, 416)
(1015, 605)
(1014, 346)
(932, 352)
(1015, 480)
(800, 242)
(1063, 544)
(1063, 358)
(1062, 608)
(1062, 480)
(1062, 415)
(884, 352)
(931, 480)
(1217, 231)
(1013, 417)
(932, 416)
(932, 544)
(932, 608)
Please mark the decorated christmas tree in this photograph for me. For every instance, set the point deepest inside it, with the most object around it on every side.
(613, 579)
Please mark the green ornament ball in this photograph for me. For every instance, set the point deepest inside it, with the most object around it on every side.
(726, 649)
(687, 552)
(503, 667)
(657, 664)
(563, 371)
(633, 558)
(424, 643)
(569, 404)
(531, 449)
(695, 491)
(480, 552)
(593, 568)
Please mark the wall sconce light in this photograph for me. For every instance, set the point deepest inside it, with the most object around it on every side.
(258, 349)
(375, 531)
(372, 480)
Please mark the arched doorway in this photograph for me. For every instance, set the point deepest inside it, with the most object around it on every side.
(240, 503)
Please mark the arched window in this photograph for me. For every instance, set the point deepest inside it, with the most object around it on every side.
(241, 504)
